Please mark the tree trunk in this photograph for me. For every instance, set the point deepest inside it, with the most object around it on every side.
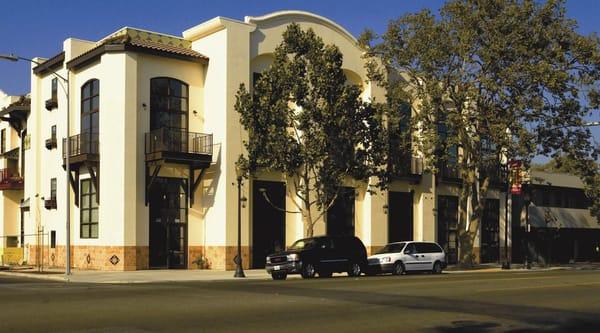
(469, 219)
(309, 226)
(471, 205)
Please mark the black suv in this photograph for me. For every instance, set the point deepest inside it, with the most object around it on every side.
(323, 255)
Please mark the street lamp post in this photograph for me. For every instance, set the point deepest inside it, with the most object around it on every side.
(506, 263)
(239, 270)
(527, 198)
(12, 57)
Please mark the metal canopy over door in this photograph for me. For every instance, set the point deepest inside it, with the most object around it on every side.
(168, 223)
(400, 217)
(268, 220)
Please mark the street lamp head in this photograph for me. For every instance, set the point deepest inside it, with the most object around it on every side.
(240, 172)
(10, 57)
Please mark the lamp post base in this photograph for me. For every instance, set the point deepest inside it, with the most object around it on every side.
(505, 265)
(239, 271)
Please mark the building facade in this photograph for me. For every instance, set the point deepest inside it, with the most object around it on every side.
(552, 222)
(153, 137)
(13, 113)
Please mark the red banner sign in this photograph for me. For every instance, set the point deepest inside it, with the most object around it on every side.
(515, 176)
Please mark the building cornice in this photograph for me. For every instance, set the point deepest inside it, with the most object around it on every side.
(50, 65)
(95, 54)
(210, 27)
(256, 20)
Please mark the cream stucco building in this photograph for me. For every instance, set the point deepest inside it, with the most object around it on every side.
(153, 142)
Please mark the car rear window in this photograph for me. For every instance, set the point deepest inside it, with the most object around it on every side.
(428, 248)
(434, 248)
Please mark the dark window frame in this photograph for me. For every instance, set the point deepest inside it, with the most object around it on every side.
(54, 89)
(53, 239)
(170, 110)
(87, 206)
(53, 189)
(90, 93)
(3, 141)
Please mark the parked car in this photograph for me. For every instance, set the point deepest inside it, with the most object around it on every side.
(400, 257)
(323, 255)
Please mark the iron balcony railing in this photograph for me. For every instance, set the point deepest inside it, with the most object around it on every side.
(450, 171)
(50, 143)
(80, 144)
(495, 173)
(10, 180)
(50, 203)
(408, 166)
(176, 140)
(51, 104)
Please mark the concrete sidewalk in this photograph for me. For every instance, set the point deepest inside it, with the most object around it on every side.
(155, 276)
(143, 276)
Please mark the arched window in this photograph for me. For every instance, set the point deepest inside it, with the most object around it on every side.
(90, 107)
(168, 103)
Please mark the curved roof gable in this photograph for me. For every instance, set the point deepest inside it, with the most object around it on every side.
(299, 13)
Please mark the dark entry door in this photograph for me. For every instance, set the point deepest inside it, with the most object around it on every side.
(447, 222)
(490, 231)
(268, 220)
(168, 223)
(340, 216)
(400, 217)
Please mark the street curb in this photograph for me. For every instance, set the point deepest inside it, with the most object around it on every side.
(90, 279)
(59, 278)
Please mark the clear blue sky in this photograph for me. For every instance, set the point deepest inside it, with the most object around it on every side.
(38, 28)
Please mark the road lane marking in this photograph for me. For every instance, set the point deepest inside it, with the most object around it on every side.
(566, 285)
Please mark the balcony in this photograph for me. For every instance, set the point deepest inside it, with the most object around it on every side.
(82, 148)
(51, 104)
(449, 173)
(177, 146)
(174, 145)
(10, 180)
(50, 143)
(50, 203)
(495, 173)
(410, 168)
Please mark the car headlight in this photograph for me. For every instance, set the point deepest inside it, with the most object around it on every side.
(385, 260)
(268, 260)
(293, 257)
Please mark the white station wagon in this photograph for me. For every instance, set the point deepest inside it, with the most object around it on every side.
(400, 257)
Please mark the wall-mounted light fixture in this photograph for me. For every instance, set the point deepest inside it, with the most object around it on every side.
(243, 200)
(195, 112)
(385, 209)
(144, 106)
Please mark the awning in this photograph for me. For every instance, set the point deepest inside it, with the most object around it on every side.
(24, 204)
(553, 217)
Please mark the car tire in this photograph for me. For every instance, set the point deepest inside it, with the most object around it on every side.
(398, 268)
(354, 270)
(325, 274)
(308, 271)
(437, 268)
(279, 276)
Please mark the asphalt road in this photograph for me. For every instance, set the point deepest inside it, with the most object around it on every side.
(470, 302)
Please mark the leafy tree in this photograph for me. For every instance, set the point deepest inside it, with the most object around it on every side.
(490, 80)
(304, 119)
